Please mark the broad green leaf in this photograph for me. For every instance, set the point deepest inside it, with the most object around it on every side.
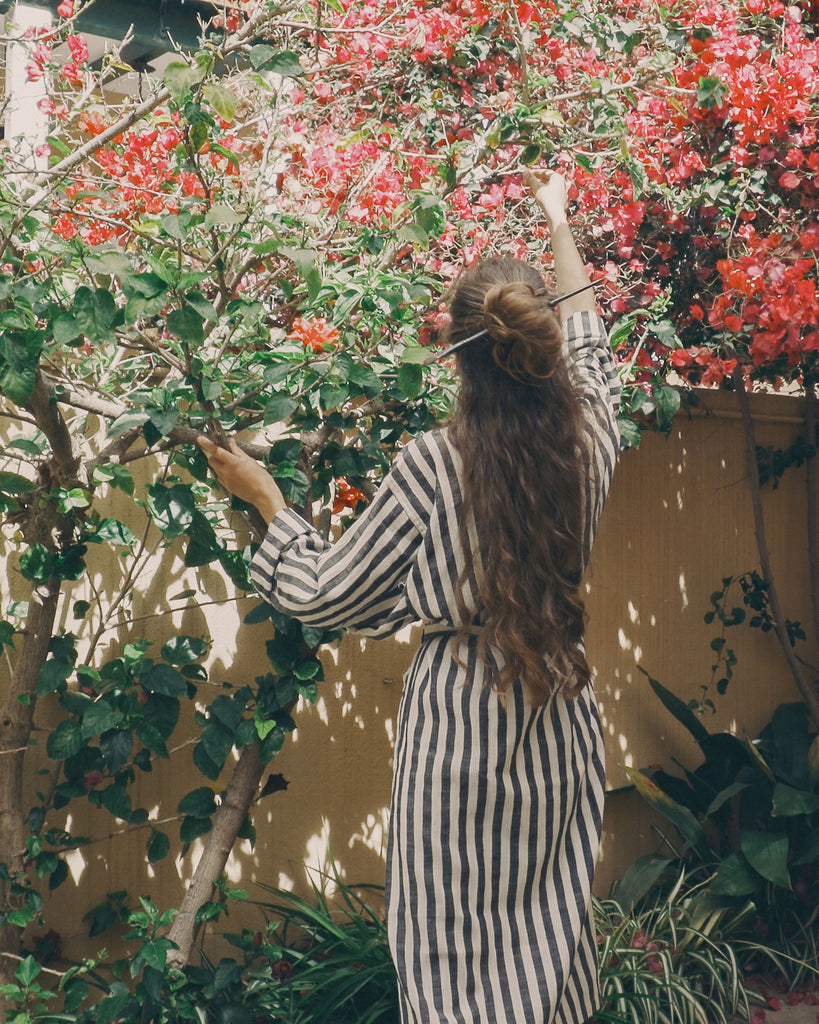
(220, 214)
(115, 475)
(679, 816)
(410, 379)
(187, 325)
(116, 746)
(53, 675)
(221, 99)
(164, 680)
(767, 853)
(191, 828)
(184, 650)
(667, 400)
(278, 407)
(724, 795)
(127, 421)
(99, 718)
(180, 78)
(158, 847)
(115, 532)
(678, 708)
(200, 803)
(639, 878)
(13, 483)
(116, 800)
(38, 563)
(788, 801)
(19, 358)
(735, 877)
(27, 971)
(172, 508)
(94, 313)
(65, 741)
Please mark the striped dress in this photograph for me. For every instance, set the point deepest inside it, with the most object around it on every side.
(496, 810)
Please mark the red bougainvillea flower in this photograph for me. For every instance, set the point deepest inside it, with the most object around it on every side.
(316, 333)
(66, 9)
(346, 496)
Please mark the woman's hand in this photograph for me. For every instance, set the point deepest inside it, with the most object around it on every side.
(550, 192)
(243, 476)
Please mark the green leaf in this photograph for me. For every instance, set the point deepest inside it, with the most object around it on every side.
(788, 801)
(410, 379)
(735, 877)
(221, 99)
(38, 563)
(165, 680)
(308, 669)
(116, 800)
(667, 401)
(65, 741)
(281, 62)
(278, 407)
(684, 715)
(19, 358)
(99, 718)
(158, 847)
(94, 313)
(187, 325)
(172, 508)
(127, 421)
(220, 214)
(116, 746)
(725, 795)
(27, 971)
(192, 828)
(200, 803)
(115, 532)
(115, 475)
(53, 675)
(639, 878)
(180, 78)
(767, 853)
(13, 483)
(677, 814)
(184, 650)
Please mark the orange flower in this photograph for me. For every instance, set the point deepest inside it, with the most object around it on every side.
(347, 496)
(316, 333)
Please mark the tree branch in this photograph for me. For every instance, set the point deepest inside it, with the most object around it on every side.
(227, 820)
(807, 689)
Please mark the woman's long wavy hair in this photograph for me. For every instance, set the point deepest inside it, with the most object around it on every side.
(518, 431)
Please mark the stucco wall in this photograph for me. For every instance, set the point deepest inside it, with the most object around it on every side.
(677, 521)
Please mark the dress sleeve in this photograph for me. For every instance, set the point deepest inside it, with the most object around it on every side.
(595, 371)
(358, 582)
(595, 374)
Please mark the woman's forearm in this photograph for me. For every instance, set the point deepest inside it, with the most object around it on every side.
(570, 271)
(550, 192)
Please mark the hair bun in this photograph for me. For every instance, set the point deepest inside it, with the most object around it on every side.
(525, 331)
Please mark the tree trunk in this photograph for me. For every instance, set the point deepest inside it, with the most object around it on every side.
(16, 719)
(227, 820)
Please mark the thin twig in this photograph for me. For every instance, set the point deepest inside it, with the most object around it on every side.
(807, 690)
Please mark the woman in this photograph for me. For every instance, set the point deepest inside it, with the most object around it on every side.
(481, 531)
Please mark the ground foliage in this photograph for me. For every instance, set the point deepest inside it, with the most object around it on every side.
(261, 244)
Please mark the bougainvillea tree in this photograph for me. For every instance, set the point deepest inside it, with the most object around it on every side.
(260, 244)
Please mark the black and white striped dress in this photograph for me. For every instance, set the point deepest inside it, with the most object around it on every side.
(496, 811)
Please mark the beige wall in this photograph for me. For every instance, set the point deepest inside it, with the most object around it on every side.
(677, 521)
